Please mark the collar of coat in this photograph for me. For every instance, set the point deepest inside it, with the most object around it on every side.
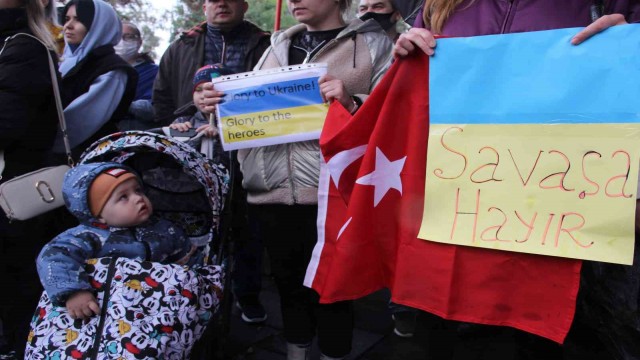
(201, 28)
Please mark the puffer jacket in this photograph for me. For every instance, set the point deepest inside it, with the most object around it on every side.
(289, 173)
(485, 17)
(173, 86)
(61, 262)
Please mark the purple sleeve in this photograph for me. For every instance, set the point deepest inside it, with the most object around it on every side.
(629, 8)
(633, 16)
(418, 22)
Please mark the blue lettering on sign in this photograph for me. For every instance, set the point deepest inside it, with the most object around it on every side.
(272, 96)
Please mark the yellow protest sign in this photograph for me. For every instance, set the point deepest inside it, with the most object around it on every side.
(541, 190)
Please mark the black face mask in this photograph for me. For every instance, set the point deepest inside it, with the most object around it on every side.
(383, 19)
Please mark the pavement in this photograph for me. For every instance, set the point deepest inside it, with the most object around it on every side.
(373, 337)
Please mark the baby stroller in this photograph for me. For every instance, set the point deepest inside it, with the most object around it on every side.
(183, 186)
(188, 190)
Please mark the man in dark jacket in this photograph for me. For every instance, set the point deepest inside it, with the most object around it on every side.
(225, 38)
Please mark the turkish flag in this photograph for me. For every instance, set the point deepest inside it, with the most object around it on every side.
(371, 196)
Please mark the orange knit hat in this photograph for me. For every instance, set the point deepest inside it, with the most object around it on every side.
(104, 185)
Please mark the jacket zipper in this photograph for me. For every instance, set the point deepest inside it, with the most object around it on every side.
(289, 152)
(223, 55)
(105, 305)
(507, 17)
(306, 58)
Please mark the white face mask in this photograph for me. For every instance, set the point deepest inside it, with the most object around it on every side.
(128, 50)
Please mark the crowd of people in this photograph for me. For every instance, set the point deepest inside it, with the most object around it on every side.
(108, 85)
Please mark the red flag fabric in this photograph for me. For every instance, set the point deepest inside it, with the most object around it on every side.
(371, 196)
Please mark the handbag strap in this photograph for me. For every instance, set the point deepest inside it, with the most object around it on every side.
(56, 93)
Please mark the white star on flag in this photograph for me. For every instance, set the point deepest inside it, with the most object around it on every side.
(386, 176)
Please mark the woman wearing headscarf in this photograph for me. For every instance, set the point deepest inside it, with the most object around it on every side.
(97, 85)
(28, 123)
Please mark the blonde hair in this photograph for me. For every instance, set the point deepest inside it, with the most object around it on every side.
(51, 13)
(38, 23)
(436, 12)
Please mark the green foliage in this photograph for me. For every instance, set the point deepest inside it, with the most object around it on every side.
(188, 13)
(262, 13)
(184, 16)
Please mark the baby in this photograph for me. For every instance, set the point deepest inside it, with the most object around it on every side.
(115, 221)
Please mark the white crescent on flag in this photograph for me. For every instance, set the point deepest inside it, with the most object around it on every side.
(342, 160)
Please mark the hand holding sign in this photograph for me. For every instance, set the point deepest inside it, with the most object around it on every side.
(333, 89)
(212, 97)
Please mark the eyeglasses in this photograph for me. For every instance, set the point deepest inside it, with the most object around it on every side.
(129, 37)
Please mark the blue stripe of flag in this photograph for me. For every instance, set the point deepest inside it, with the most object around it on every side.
(537, 77)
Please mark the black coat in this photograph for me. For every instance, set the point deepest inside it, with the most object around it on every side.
(28, 117)
(28, 125)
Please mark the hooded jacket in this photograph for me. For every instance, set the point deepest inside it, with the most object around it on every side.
(61, 262)
(289, 173)
(173, 87)
(486, 17)
(97, 85)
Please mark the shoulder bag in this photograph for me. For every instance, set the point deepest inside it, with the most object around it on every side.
(37, 192)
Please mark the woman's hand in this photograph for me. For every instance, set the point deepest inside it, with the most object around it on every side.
(212, 97)
(423, 39)
(182, 127)
(597, 26)
(333, 89)
(82, 305)
(208, 130)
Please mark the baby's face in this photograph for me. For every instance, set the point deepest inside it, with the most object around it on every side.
(127, 206)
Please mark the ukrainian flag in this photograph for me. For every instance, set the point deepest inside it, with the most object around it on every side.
(534, 143)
